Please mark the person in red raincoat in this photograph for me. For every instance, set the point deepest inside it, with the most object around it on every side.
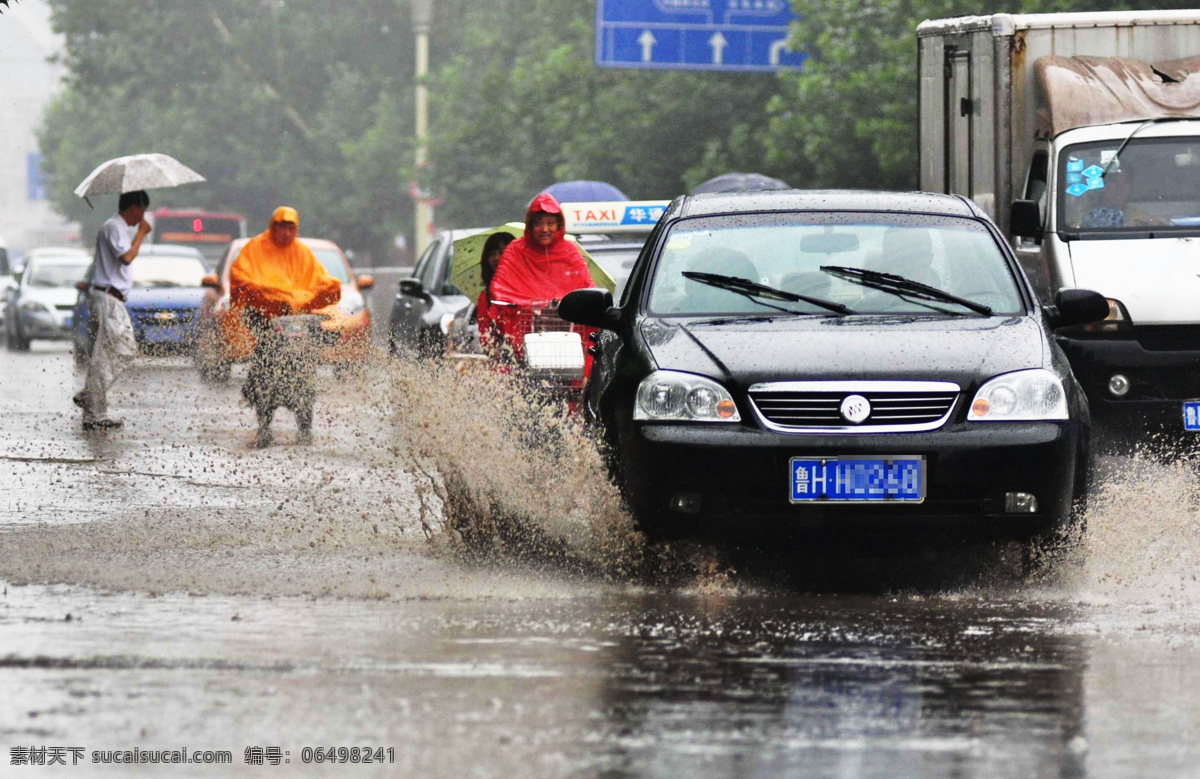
(540, 266)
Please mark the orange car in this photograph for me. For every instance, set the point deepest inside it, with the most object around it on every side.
(223, 339)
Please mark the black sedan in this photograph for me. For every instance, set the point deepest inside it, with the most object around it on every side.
(853, 362)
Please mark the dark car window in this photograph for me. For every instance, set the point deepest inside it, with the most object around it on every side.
(787, 251)
(427, 267)
(616, 262)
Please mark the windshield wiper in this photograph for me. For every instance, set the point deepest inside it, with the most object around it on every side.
(1117, 154)
(755, 291)
(902, 286)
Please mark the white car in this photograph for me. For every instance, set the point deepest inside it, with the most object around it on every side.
(8, 281)
(42, 304)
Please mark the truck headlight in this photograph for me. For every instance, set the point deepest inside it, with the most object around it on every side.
(1022, 396)
(1117, 321)
(671, 395)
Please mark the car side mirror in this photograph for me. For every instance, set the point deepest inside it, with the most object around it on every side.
(1077, 307)
(1025, 219)
(212, 281)
(413, 288)
(366, 281)
(590, 307)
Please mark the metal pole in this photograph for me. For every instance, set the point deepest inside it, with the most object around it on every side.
(422, 16)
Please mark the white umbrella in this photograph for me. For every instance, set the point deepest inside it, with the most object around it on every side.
(134, 172)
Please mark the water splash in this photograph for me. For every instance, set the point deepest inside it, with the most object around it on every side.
(1142, 537)
(516, 472)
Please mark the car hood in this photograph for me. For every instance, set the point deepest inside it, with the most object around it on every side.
(1158, 279)
(50, 296)
(743, 352)
(165, 298)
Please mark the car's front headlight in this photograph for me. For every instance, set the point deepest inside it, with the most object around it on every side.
(1022, 396)
(351, 304)
(670, 395)
(35, 307)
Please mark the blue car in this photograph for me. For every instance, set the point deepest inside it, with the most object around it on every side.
(163, 304)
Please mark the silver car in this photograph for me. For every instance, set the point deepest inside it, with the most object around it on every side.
(41, 306)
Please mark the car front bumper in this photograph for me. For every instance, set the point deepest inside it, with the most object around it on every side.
(44, 326)
(741, 476)
(1160, 381)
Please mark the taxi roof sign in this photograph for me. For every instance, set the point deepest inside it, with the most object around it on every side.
(621, 216)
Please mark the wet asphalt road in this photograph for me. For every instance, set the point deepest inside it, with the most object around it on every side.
(168, 586)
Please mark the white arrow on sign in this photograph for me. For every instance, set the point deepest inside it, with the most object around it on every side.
(718, 43)
(648, 41)
(777, 50)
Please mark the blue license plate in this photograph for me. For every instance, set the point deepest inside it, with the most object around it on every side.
(1191, 415)
(858, 479)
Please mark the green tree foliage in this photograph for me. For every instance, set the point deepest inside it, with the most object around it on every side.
(519, 105)
(306, 103)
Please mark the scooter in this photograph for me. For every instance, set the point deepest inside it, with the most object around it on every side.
(283, 373)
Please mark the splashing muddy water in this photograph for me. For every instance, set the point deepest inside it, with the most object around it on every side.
(430, 479)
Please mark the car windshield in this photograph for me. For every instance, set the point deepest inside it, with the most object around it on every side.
(1153, 184)
(333, 262)
(834, 258)
(616, 262)
(56, 273)
(165, 271)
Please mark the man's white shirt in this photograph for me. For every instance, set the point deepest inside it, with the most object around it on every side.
(114, 239)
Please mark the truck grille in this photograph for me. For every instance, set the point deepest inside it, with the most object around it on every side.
(816, 406)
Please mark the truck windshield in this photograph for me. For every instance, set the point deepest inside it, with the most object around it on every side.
(1153, 185)
(788, 252)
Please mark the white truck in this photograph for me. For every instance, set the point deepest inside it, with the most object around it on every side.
(1080, 135)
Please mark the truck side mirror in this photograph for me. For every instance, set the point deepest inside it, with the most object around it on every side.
(590, 307)
(1077, 307)
(1025, 219)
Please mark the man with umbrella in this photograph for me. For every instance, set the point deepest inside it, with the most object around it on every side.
(117, 246)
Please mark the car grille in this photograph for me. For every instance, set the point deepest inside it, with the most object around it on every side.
(65, 307)
(816, 406)
(165, 318)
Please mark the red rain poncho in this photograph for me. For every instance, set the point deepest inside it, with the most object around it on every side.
(529, 273)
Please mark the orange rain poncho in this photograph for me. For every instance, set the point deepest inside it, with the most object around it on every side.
(280, 281)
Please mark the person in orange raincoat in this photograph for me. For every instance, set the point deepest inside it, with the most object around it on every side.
(276, 275)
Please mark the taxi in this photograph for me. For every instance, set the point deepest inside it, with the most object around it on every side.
(222, 337)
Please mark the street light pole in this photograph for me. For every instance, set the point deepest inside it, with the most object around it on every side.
(422, 17)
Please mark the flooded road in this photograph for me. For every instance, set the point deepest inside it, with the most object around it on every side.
(170, 587)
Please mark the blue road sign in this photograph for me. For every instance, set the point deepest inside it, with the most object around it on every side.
(729, 35)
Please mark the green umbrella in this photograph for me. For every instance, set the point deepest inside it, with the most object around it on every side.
(468, 254)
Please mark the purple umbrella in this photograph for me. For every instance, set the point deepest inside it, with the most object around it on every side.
(584, 192)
